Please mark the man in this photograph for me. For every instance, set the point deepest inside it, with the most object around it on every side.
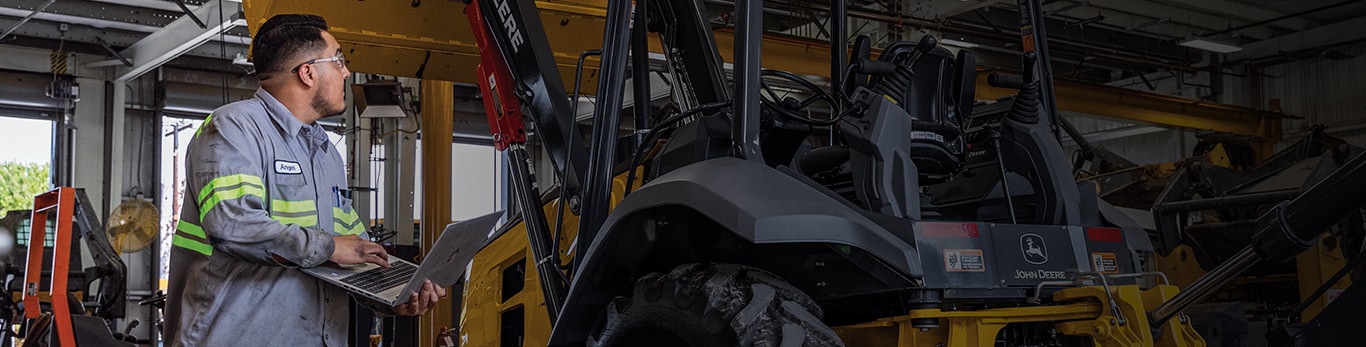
(265, 195)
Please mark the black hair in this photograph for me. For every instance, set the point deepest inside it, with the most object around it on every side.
(283, 39)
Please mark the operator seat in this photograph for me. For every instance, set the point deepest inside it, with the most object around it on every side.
(937, 92)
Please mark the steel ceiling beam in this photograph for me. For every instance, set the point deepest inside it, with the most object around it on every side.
(962, 7)
(1285, 17)
(95, 23)
(94, 12)
(75, 32)
(1180, 23)
(1327, 35)
(79, 33)
(163, 5)
(26, 18)
(179, 37)
(66, 18)
(1240, 11)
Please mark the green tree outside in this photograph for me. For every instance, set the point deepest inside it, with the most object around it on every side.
(19, 183)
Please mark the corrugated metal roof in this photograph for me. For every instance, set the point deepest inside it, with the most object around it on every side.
(1328, 90)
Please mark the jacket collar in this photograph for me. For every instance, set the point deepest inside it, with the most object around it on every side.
(279, 114)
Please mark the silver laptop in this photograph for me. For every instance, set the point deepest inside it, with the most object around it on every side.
(395, 285)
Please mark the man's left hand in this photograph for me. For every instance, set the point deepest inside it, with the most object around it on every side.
(422, 301)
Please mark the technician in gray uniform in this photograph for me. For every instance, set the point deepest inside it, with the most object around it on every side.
(266, 194)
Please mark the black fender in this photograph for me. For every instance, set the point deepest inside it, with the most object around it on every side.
(749, 199)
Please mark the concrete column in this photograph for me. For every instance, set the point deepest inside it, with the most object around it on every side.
(438, 112)
(113, 152)
(359, 144)
(89, 161)
(109, 167)
(400, 158)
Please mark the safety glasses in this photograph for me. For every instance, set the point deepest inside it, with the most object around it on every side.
(339, 58)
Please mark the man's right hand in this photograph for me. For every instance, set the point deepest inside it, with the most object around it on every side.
(353, 250)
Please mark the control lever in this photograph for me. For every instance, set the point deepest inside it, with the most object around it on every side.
(926, 44)
(874, 67)
(862, 51)
(1005, 80)
(128, 331)
(1031, 60)
(157, 299)
(1013, 81)
(1025, 110)
(884, 68)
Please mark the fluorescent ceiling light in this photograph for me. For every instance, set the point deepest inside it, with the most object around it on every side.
(956, 43)
(1211, 46)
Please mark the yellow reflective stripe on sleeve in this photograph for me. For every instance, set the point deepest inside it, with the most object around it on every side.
(346, 222)
(229, 194)
(229, 181)
(303, 221)
(192, 244)
(191, 229)
(293, 206)
(204, 124)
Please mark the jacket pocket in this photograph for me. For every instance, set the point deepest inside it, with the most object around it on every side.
(292, 200)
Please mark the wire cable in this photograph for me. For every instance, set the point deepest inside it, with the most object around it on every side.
(653, 134)
(564, 170)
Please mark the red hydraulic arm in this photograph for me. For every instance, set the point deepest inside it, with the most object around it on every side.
(495, 81)
(504, 111)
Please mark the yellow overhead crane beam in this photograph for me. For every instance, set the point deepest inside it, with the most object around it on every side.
(1160, 109)
(432, 40)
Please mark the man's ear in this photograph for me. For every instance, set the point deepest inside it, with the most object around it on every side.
(306, 75)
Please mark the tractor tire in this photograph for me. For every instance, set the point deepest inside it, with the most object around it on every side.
(714, 305)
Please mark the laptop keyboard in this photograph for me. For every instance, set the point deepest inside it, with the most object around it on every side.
(380, 279)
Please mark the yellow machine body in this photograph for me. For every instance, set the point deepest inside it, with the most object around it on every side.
(501, 281)
(1083, 311)
(491, 292)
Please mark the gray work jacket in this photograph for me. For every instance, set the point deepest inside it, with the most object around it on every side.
(260, 185)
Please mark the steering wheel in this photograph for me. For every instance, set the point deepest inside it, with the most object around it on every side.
(789, 107)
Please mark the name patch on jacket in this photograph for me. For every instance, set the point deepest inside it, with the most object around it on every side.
(287, 167)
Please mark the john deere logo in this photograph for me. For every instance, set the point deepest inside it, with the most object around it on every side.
(1034, 249)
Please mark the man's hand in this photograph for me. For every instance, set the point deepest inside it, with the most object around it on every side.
(352, 250)
(422, 301)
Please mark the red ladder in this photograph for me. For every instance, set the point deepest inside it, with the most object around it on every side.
(62, 202)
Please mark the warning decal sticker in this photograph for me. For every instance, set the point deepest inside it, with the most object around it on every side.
(964, 260)
(1105, 262)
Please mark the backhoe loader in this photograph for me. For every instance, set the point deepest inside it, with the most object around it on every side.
(910, 215)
